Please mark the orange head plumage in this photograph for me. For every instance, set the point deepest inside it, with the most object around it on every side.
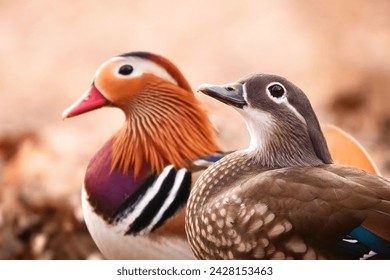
(165, 123)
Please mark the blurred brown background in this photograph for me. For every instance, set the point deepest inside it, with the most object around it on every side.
(338, 52)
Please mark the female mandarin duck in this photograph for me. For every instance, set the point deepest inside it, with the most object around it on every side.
(283, 198)
(137, 183)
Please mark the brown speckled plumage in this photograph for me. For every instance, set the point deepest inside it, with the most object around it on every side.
(272, 201)
(287, 213)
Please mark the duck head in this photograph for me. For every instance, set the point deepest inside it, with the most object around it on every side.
(283, 127)
(165, 123)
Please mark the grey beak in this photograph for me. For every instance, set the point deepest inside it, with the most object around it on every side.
(231, 94)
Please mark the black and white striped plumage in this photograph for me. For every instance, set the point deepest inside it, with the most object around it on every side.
(157, 199)
(129, 229)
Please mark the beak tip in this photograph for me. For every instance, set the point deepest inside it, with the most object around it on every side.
(66, 114)
(91, 100)
(231, 94)
(201, 88)
(204, 88)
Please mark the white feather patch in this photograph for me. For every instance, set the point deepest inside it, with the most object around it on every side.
(260, 126)
(140, 66)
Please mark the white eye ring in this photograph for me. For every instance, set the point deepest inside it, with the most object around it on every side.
(277, 92)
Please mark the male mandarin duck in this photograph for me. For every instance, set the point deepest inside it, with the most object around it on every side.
(136, 185)
(283, 197)
(345, 149)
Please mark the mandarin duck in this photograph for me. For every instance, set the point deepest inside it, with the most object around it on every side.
(106, 195)
(283, 197)
(136, 185)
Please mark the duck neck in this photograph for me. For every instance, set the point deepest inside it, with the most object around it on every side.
(276, 144)
(162, 128)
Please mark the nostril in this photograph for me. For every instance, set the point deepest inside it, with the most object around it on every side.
(229, 88)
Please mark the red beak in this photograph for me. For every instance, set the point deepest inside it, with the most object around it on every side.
(91, 100)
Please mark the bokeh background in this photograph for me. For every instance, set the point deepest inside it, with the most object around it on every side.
(338, 52)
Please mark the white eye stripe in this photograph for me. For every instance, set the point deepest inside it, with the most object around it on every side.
(292, 108)
(140, 66)
(283, 100)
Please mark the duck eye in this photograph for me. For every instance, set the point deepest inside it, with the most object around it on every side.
(125, 69)
(276, 91)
